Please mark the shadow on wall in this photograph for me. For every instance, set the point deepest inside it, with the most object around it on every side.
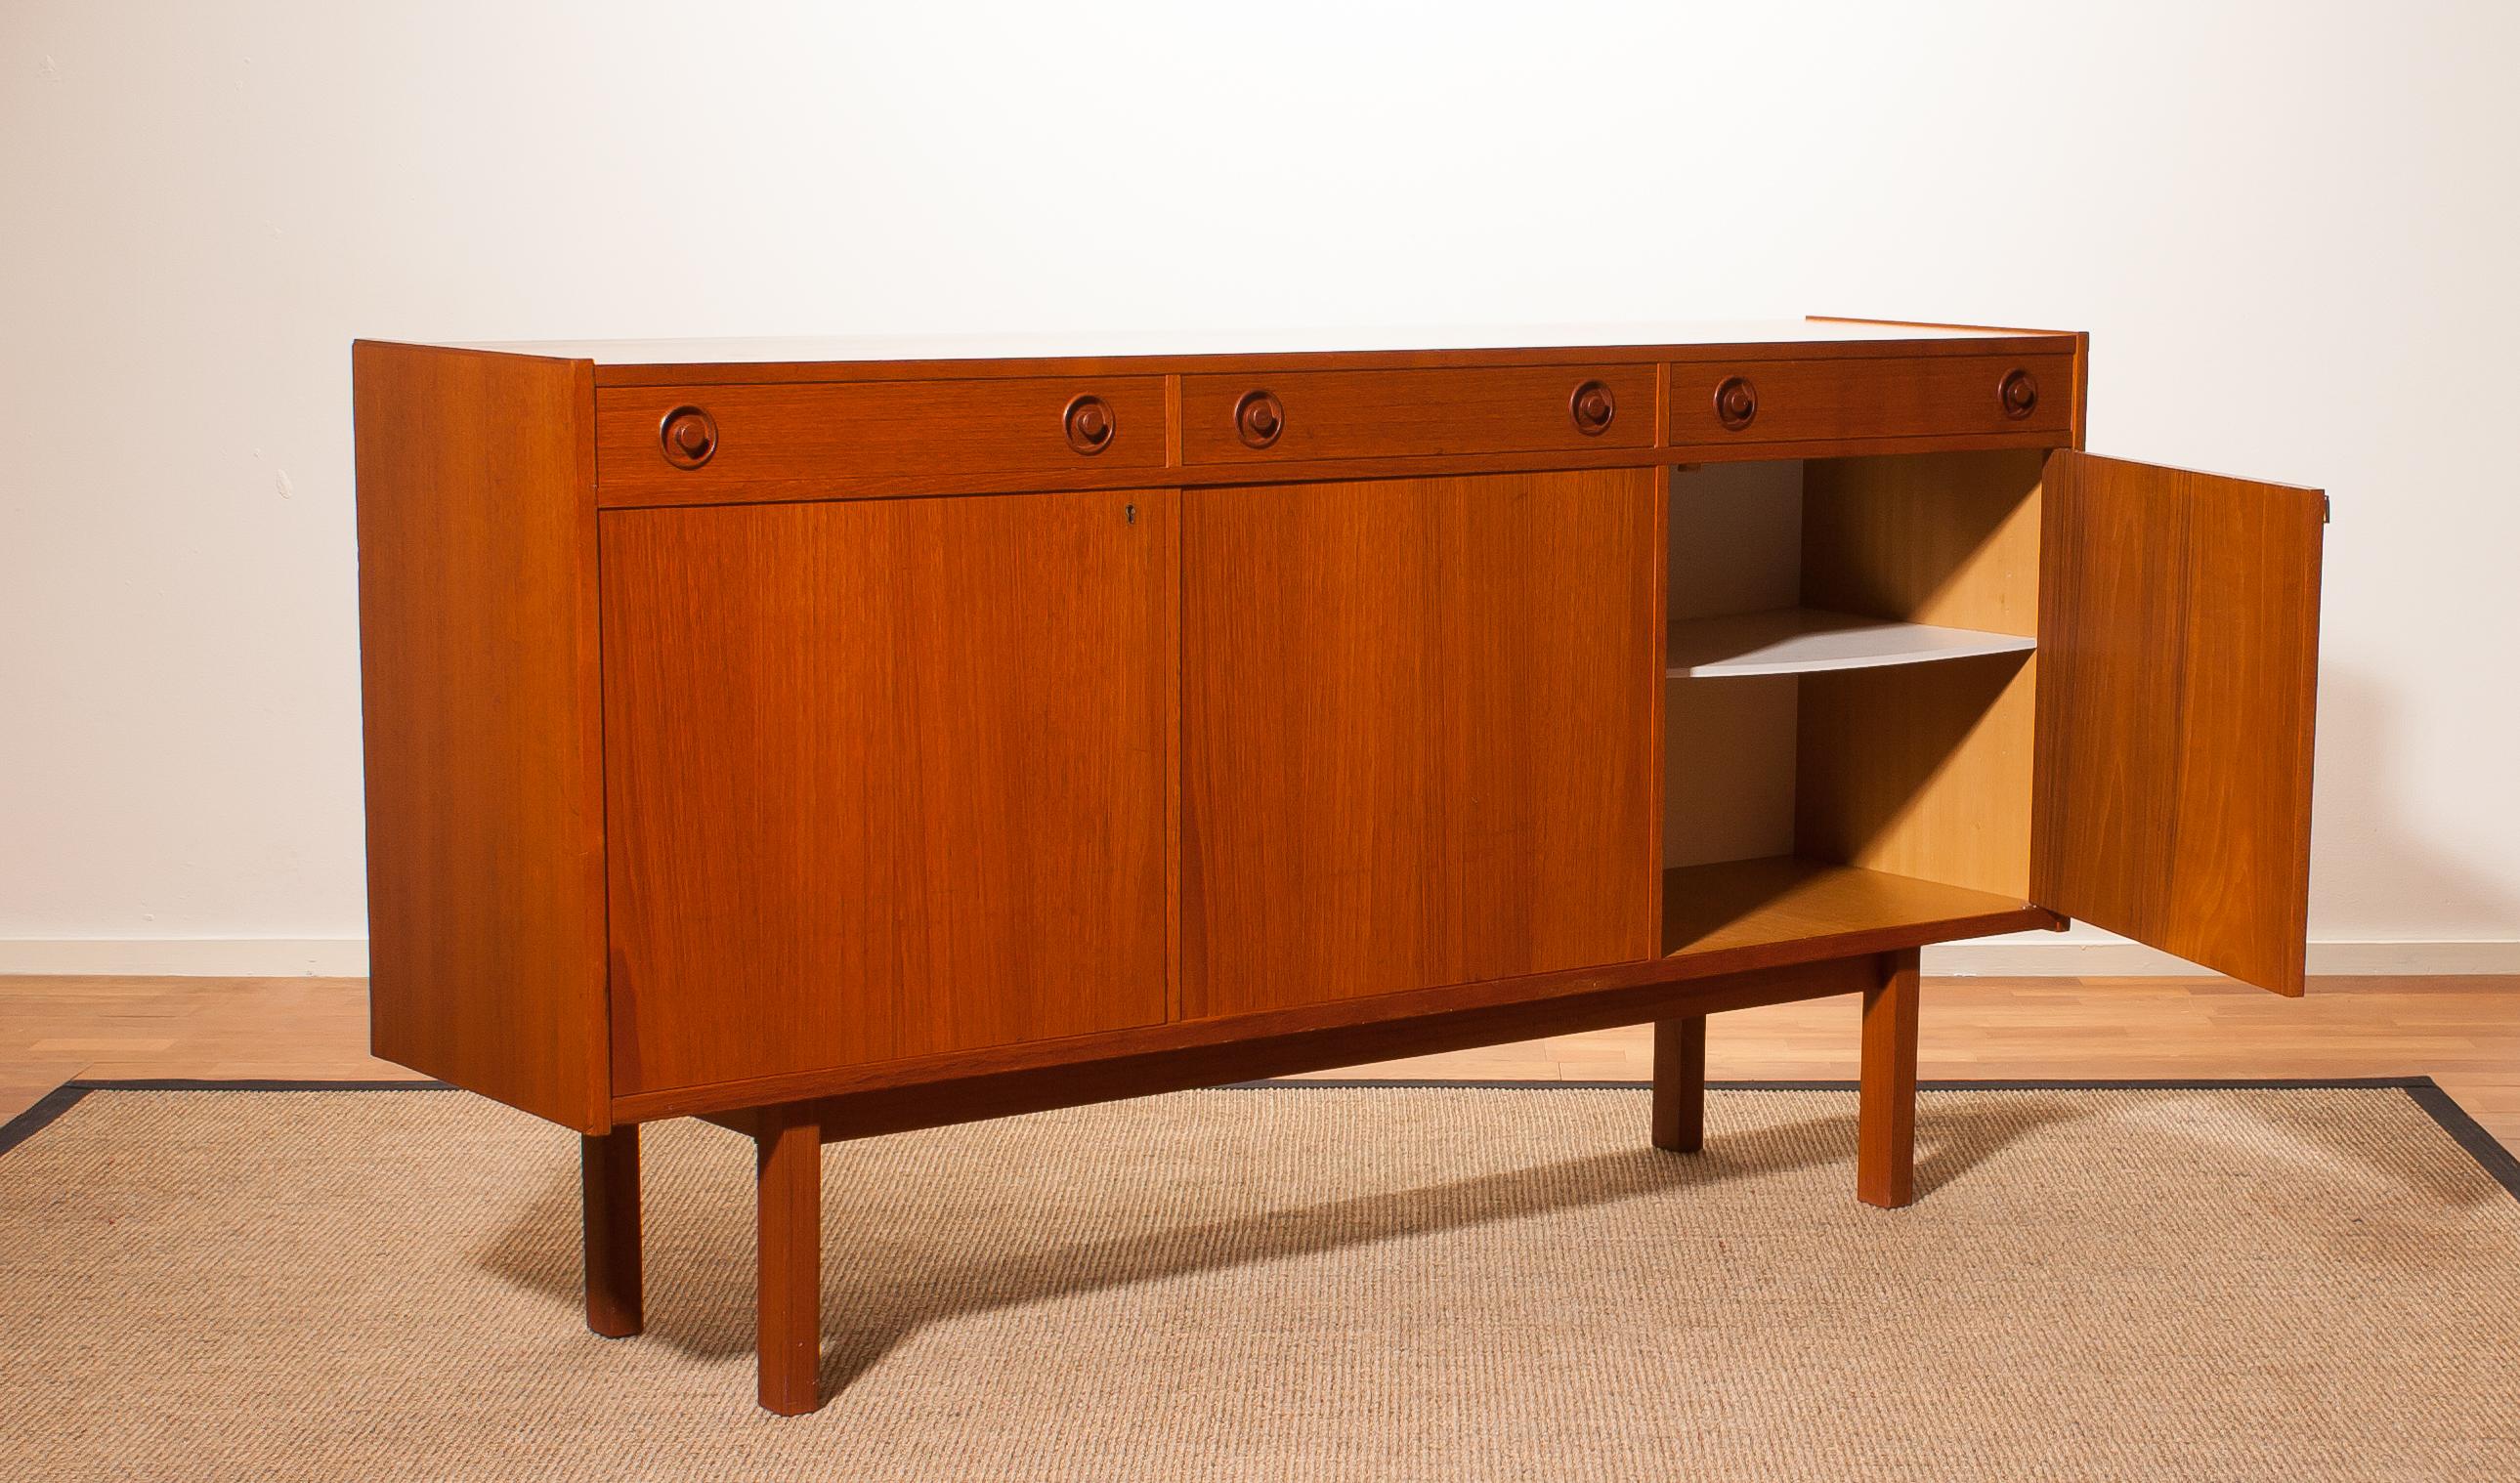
(2399, 876)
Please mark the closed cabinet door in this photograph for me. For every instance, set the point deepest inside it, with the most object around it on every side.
(2178, 672)
(885, 778)
(1417, 733)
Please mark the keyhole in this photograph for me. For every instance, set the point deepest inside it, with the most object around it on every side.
(1131, 511)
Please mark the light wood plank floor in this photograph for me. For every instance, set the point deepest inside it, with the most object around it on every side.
(2462, 1032)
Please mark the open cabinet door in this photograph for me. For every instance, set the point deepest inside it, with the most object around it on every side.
(2178, 664)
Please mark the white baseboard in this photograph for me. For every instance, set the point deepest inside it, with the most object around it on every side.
(2022, 955)
(187, 957)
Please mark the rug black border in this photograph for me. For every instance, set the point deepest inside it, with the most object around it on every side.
(2499, 1162)
(52, 1105)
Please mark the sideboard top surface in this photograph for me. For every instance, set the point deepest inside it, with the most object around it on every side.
(630, 362)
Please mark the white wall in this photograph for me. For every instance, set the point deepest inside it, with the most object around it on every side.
(2289, 227)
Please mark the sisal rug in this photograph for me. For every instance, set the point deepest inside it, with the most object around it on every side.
(1309, 1283)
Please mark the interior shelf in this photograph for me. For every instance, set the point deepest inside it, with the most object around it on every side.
(1795, 640)
(1787, 909)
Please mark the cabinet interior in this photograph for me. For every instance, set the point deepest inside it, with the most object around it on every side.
(1850, 694)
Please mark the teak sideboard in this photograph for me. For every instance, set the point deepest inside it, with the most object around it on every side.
(828, 738)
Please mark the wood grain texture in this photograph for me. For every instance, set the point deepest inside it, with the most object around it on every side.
(1658, 701)
(2082, 386)
(1415, 728)
(1087, 474)
(1734, 547)
(1747, 447)
(912, 484)
(1950, 539)
(1388, 414)
(910, 417)
(1751, 913)
(1313, 1036)
(2179, 655)
(1868, 398)
(1679, 1083)
(1015, 1090)
(481, 724)
(609, 1187)
(1728, 768)
(842, 436)
(1736, 927)
(788, 1292)
(1924, 772)
(887, 778)
(1885, 1115)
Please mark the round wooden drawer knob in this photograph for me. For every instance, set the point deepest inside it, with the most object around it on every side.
(1736, 402)
(689, 437)
(1258, 418)
(1089, 425)
(2019, 394)
(1593, 407)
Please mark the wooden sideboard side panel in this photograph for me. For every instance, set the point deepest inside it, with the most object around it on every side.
(1417, 732)
(2179, 656)
(1923, 770)
(483, 743)
(888, 777)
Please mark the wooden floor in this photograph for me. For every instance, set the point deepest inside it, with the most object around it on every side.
(2462, 1032)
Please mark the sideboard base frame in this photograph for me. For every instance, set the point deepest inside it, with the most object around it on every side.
(788, 1294)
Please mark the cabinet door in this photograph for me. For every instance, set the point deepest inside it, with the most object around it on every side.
(1418, 738)
(2178, 660)
(886, 778)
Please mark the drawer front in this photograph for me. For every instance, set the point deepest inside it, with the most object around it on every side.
(688, 441)
(1263, 418)
(1804, 400)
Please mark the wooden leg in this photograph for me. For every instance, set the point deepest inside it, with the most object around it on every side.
(1679, 1084)
(1885, 1139)
(609, 1171)
(789, 1296)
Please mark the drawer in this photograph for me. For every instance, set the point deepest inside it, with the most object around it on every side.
(1307, 414)
(686, 442)
(1801, 400)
